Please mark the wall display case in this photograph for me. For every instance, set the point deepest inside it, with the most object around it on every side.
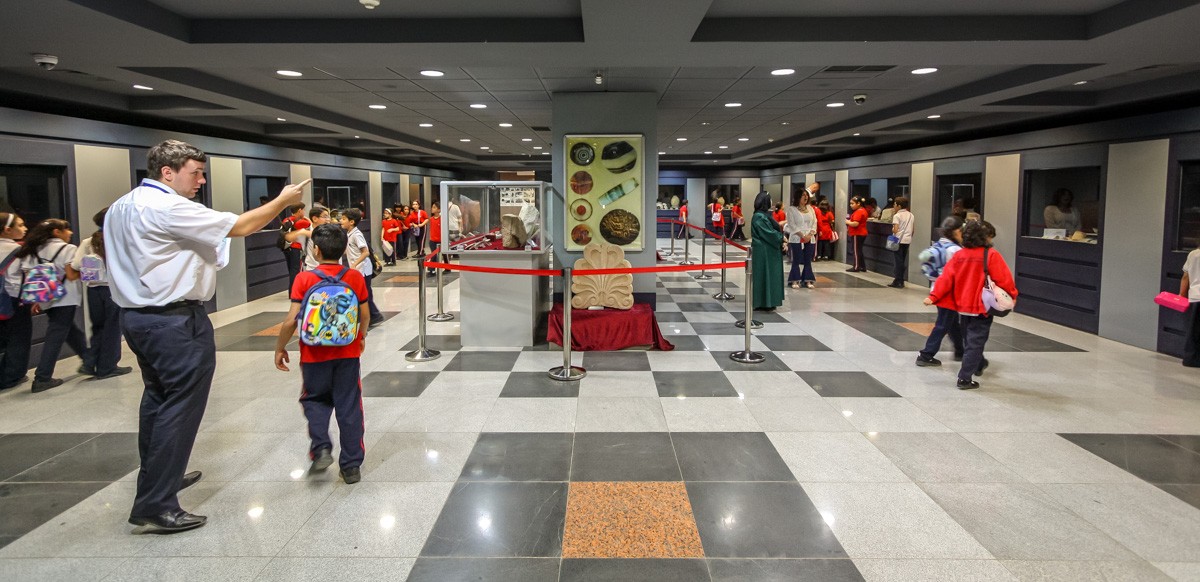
(493, 217)
(604, 192)
(1063, 204)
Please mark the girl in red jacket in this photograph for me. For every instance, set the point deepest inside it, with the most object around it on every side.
(959, 288)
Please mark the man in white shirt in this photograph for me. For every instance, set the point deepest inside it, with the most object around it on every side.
(163, 251)
(903, 224)
(1189, 286)
(454, 222)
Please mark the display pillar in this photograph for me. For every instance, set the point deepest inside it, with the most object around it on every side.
(228, 195)
(607, 113)
(920, 197)
(841, 203)
(697, 192)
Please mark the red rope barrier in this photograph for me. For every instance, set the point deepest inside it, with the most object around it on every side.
(709, 232)
(555, 272)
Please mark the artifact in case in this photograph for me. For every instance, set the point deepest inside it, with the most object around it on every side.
(493, 217)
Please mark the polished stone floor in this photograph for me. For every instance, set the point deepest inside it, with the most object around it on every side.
(835, 459)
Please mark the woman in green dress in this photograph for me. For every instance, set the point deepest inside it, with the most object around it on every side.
(767, 245)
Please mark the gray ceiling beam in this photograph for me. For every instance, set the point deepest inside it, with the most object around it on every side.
(639, 21)
(893, 29)
(171, 103)
(142, 13)
(385, 30)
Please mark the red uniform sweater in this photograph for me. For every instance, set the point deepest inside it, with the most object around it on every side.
(961, 282)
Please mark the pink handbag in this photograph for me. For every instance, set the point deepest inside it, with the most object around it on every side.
(1172, 301)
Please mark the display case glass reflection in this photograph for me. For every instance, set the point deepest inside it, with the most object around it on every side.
(492, 217)
(605, 190)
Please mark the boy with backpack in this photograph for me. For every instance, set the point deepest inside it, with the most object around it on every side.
(329, 305)
(933, 260)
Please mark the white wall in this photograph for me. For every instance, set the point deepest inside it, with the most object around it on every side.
(920, 193)
(227, 183)
(1001, 190)
(1134, 219)
(841, 201)
(102, 176)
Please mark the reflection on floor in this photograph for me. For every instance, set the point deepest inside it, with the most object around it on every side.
(835, 459)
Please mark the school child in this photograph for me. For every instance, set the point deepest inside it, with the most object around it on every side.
(358, 256)
(47, 245)
(933, 261)
(329, 304)
(16, 323)
(104, 351)
(435, 232)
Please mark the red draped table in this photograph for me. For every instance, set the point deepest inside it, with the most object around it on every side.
(608, 329)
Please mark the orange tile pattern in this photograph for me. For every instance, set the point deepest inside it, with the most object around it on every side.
(272, 331)
(403, 279)
(823, 280)
(630, 520)
(921, 328)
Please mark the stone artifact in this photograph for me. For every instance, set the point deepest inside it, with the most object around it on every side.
(581, 234)
(619, 157)
(615, 291)
(512, 232)
(620, 227)
(581, 182)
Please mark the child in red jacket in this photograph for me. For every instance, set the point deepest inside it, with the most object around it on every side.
(960, 287)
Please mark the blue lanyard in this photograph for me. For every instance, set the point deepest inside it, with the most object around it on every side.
(155, 186)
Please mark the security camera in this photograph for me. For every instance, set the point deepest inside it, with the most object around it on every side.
(860, 99)
(46, 62)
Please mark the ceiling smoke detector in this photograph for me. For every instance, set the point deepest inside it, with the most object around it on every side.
(369, 4)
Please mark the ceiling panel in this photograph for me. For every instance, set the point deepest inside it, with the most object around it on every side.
(396, 84)
(530, 84)
(449, 85)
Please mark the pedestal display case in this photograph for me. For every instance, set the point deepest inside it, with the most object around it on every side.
(497, 225)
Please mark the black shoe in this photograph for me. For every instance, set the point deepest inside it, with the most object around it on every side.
(958, 357)
(351, 475)
(169, 522)
(967, 384)
(982, 366)
(118, 371)
(375, 323)
(86, 371)
(924, 362)
(896, 285)
(15, 383)
(190, 479)
(44, 385)
(322, 459)
(851, 270)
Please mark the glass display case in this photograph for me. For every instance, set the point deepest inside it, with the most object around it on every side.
(493, 217)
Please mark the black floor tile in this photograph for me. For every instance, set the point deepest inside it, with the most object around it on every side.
(674, 278)
(1189, 494)
(25, 506)
(538, 385)
(911, 317)
(688, 291)
(642, 570)
(663, 298)
(729, 456)
(669, 316)
(846, 384)
(783, 570)
(624, 456)
(616, 361)
(711, 306)
(441, 343)
(501, 520)
(1189, 442)
(687, 343)
(251, 325)
(256, 343)
(19, 452)
(773, 520)
(760, 316)
(724, 328)
(106, 458)
(507, 456)
(771, 363)
(792, 343)
(397, 384)
(693, 384)
(490, 569)
(1146, 456)
(482, 362)
(715, 285)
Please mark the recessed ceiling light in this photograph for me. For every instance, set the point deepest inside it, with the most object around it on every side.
(743, 139)
(478, 106)
(681, 139)
(734, 104)
(924, 71)
(377, 106)
(426, 125)
(857, 134)
(707, 152)
(934, 116)
(1081, 82)
(484, 148)
(722, 147)
(505, 125)
(537, 147)
(785, 123)
(662, 153)
(432, 73)
(770, 139)
(357, 137)
(705, 123)
(143, 88)
(527, 139)
(545, 153)
(280, 119)
(835, 104)
(782, 72)
(287, 73)
(464, 140)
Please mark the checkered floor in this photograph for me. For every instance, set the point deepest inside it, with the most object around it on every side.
(835, 459)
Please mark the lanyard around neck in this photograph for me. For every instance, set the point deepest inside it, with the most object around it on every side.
(155, 186)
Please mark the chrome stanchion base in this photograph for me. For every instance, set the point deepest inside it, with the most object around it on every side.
(564, 374)
(748, 357)
(754, 324)
(703, 277)
(440, 317)
(723, 297)
(422, 355)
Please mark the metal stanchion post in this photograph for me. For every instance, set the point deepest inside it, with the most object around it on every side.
(703, 276)
(441, 314)
(567, 372)
(748, 356)
(671, 252)
(754, 323)
(687, 260)
(421, 354)
(723, 295)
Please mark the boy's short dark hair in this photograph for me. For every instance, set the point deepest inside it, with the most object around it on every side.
(331, 240)
(317, 211)
(354, 214)
(295, 208)
(901, 201)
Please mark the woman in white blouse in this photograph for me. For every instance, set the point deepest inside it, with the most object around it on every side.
(801, 229)
(1061, 213)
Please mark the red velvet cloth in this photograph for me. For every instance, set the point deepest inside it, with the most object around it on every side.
(608, 329)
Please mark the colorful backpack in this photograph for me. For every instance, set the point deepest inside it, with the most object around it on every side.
(934, 258)
(91, 269)
(43, 282)
(329, 313)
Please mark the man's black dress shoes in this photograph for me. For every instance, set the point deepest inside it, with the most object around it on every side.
(169, 522)
(190, 479)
